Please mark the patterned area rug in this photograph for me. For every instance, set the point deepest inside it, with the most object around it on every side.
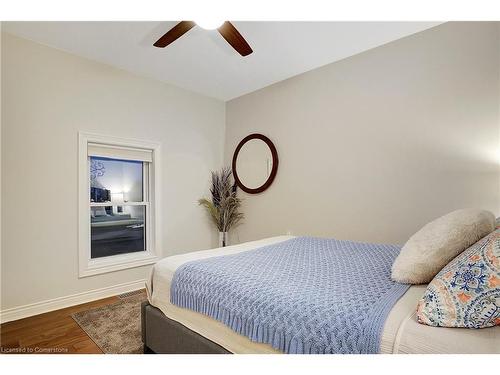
(115, 328)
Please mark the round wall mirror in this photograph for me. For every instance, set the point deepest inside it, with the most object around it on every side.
(255, 163)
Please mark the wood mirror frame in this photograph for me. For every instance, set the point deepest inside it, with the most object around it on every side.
(274, 169)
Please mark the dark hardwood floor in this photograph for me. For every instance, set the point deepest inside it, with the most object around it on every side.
(52, 332)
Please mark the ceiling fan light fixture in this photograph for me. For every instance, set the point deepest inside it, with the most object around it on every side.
(209, 24)
(225, 28)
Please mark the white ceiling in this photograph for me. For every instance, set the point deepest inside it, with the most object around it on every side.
(203, 62)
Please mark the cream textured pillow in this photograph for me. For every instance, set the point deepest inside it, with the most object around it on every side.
(438, 242)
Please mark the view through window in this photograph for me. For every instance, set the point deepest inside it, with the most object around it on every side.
(118, 206)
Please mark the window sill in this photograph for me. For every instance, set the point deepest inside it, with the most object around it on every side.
(116, 263)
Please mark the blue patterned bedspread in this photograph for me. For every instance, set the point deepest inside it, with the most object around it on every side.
(303, 295)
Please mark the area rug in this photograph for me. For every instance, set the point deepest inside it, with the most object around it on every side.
(115, 328)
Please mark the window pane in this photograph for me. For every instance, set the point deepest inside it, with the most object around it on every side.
(117, 230)
(115, 180)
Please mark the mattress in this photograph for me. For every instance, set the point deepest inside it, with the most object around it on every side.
(401, 333)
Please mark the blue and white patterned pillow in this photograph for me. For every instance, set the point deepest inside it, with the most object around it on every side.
(466, 293)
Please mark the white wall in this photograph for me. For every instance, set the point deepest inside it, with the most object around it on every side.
(376, 145)
(47, 97)
(498, 151)
(1, 277)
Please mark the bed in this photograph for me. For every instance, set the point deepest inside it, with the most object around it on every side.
(113, 233)
(167, 328)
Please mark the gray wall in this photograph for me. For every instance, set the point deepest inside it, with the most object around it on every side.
(374, 146)
(47, 97)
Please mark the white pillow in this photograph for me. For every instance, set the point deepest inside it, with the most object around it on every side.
(99, 211)
(438, 242)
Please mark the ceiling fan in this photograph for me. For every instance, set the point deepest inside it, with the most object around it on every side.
(226, 29)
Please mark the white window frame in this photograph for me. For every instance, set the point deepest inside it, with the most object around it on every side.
(88, 266)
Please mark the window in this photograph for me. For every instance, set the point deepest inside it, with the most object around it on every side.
(118, 206)
(118, 203)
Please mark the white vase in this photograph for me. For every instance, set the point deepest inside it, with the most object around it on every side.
(223, 239)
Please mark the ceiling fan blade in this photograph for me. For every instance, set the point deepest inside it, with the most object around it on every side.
(234, 38)
(174, 33)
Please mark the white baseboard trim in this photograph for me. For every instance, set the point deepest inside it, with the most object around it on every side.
(25, 311)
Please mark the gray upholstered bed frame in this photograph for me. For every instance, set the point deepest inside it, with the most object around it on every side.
(166, 336)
